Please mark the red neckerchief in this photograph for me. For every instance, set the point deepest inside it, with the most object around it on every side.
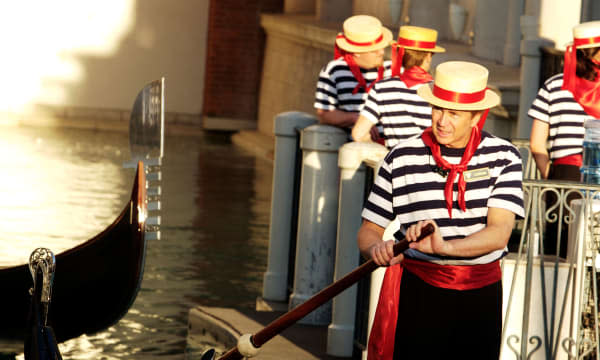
(457, 277)
(397, 55)
(355, 69)
(431, 142)
(585, 92)
(415, 75)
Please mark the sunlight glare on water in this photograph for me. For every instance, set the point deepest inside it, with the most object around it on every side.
(51, 196)
(60, 187)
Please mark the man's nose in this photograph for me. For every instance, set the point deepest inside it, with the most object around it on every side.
(443, 118)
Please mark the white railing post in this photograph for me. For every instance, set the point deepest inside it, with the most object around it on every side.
(317, 217)
(340, 334)
(287, 126)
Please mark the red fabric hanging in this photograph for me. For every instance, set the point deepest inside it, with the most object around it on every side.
(415, 75)
(457, 277)
(569, 67)
(383, 332)
(431, 142)
(397, 55)
(585, 92)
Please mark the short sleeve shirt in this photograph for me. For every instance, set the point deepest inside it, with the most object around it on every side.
(406, 188)
(564, 116)
(398, 108)
(336, 83)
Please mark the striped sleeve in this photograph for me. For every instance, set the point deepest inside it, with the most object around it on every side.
(378, 208)
(326, 96)
(540, 108)
(507, 191)
(370, 109)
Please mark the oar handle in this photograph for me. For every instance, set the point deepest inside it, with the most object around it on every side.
(289, 318)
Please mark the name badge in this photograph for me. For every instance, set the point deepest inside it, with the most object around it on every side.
(477, 174)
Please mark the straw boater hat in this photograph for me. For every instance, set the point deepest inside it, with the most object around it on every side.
(460, 85)
(418, 38)
(586, 35)
(363, 33)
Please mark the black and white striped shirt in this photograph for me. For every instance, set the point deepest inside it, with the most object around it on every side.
(407, 189)
(564, 116)
(398, 108)
(336, 82)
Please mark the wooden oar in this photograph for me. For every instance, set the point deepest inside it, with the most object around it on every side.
(289, 318)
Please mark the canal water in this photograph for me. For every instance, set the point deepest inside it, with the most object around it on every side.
(60, 187)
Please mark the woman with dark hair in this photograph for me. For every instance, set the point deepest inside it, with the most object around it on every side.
(560, 109)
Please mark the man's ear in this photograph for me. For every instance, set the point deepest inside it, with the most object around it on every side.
(476, 116)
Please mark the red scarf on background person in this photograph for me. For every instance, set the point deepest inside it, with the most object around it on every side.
(431, 142)
(411, 77)
(415, 75)
(585, 92)
(355, 69)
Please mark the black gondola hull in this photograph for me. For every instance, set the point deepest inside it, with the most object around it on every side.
(95, 282)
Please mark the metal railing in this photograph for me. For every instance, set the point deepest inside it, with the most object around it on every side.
(550, 302)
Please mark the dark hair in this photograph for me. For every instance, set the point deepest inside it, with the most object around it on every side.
(413, 58)
(586, 69)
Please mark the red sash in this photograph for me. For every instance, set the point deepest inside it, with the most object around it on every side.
(576, 160)
(458, 277)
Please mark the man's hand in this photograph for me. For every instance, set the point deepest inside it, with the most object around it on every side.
(432, 244)
(375, 134)
(339, 118)
(382, 253)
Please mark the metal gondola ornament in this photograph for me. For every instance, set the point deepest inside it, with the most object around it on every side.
(40, 341)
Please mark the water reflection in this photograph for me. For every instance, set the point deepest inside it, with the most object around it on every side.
(57, 189)
(215, 213)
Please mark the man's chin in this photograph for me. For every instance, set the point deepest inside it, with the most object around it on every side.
(442, 140)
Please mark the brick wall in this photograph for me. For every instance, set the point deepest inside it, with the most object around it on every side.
(234, 57)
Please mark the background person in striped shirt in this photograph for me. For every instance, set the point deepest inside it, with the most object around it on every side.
(393, 102)
(561, 107)
(443, 297)
(358, 62)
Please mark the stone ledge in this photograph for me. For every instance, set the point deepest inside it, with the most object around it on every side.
(95, 119)
(227, 124)
(304, 29)
(296, 342)
(268, 305)
(210, 328)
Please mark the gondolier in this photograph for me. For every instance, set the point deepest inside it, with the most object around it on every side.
(358, 63)
(561, 107)
(393, 102)
(443, 297)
